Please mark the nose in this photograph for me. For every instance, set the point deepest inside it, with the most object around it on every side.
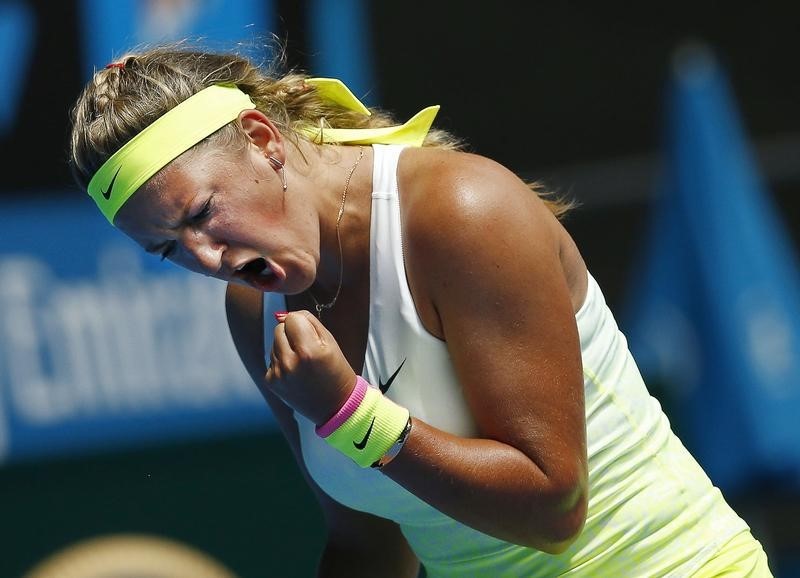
(205, 252)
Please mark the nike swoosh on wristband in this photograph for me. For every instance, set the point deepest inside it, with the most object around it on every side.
(385, 386)
(107, 193)
(363, 443)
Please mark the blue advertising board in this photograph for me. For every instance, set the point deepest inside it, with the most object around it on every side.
(102, 345)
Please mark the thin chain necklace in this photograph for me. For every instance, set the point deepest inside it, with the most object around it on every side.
(320, 307)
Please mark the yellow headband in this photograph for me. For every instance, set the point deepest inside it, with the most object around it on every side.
(170, 135)
(209, 110)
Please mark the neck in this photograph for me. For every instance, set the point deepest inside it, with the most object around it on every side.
(341, 266)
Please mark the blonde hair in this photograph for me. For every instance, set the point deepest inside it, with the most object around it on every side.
(123, 99)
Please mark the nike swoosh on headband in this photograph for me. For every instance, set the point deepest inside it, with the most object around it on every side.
(107, 193)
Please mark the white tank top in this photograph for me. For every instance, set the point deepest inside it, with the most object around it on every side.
(652, 510)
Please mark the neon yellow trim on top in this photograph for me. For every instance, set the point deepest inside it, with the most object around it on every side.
(170, 135)
(209, 110)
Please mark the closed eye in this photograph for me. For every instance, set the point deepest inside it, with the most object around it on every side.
(165, 250)
(205, 212)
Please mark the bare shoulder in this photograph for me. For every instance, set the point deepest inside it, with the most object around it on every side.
(445, 193)
(462, 173)
(458, 205)
(488, 268)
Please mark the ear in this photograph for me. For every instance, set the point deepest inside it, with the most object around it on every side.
(263, 133)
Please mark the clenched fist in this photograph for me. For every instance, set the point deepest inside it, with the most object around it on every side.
(308, 370)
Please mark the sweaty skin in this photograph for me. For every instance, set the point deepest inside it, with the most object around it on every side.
(469, 225)
(492, 273)
(483, 258)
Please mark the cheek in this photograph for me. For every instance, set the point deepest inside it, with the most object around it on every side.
(244, 225)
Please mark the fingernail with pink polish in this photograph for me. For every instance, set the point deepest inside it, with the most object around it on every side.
(280, 316)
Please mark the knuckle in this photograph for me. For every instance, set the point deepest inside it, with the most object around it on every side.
(305, 354)
(290, 365)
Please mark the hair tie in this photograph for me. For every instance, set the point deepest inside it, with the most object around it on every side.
(120, 65)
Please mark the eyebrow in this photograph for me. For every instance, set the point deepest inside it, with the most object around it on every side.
(158, 248)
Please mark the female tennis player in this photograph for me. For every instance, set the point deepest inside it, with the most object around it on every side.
(424, 329)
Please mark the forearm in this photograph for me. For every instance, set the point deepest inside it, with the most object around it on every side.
(493, 487)
(390, 560)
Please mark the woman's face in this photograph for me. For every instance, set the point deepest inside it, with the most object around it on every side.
(224, 213)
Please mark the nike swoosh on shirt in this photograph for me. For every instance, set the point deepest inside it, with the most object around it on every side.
(107, 193)
(363, 443)
(385, 386)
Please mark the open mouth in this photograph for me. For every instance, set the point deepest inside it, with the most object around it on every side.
(258, 274)
(254, 267)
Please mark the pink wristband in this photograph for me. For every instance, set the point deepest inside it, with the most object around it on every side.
(349, 407)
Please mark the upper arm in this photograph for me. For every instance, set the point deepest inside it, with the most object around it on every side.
(244, 308)
(484, 253)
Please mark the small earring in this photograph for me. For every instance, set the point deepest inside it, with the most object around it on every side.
(279, 165)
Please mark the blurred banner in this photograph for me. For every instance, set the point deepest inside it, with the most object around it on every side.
(102, 345)
(110, 28)
(339, 38)
(715, 310)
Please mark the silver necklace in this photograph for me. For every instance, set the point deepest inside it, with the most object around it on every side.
(320, 307)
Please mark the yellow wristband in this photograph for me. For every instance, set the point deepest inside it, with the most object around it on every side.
(372, 429)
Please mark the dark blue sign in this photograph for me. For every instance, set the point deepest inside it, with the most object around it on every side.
(102, 345)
